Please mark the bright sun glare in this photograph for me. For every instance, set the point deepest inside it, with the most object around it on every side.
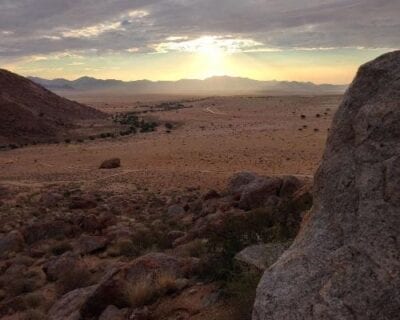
(211, 56)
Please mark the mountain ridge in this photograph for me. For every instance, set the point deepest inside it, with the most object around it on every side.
(215, 84)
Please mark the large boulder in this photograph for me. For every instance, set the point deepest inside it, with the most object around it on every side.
(345, 262)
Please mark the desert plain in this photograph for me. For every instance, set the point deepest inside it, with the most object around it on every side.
(212, 138)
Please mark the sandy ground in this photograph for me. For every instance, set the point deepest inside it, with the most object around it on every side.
(214, 138)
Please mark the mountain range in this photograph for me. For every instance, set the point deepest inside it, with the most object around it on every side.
(213, 85)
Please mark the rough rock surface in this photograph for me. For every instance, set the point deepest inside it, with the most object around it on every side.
(345, 263)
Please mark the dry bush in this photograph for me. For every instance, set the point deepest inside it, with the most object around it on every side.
(123, 247)
(147, 289)
(75, 278)
(16, 287)
(60, 248)
(33, 314)
(34, 300)
(165, 282)
(140, 293)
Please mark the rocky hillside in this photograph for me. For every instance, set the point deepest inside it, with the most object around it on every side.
(31, 113)
(345, 263)
(71, 253)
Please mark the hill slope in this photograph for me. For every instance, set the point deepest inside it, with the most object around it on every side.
(29, 112)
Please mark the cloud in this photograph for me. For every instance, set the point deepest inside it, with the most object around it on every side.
(225, 44)
(43, 27)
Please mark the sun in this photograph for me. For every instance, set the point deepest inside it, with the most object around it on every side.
(211, 57)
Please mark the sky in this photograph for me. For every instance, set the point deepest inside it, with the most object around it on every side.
(323, 41)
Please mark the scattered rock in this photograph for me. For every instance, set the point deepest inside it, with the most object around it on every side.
(82, 203)
(47, 230)
(211, 194)
(113, 313)
(290, 185)
(261, 191)
(58, 266)
(345, 262)
(239, 180)
(69, 306)
(111, 163)
(51, 199)
(176, 210)
(11, 243)
(91, 244)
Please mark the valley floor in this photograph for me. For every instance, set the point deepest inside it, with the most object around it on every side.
(213, 138)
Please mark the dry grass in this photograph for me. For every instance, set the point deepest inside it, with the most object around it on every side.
(33, 314)
(74, 278)
(166, 282)
(146, 290)
(140, 293)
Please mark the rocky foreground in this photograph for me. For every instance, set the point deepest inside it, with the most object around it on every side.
(71, 253)
(345, 263)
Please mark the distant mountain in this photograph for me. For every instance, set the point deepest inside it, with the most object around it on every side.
(213, 85)
(29, 112)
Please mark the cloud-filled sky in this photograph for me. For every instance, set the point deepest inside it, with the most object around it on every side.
(316, 40)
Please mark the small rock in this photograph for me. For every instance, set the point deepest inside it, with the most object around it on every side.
(113, 313)
(260, 192)
(82, 203)
(90, 244)
(211, 194)
(239, 180)
(13, 242)
(111, 164)
(57, 266)
(47, 230)
(176, 209)
(262, 256)
(69, 306)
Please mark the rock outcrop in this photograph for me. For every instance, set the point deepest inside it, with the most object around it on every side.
(345, 262)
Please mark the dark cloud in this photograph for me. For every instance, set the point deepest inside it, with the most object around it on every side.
(30, 27)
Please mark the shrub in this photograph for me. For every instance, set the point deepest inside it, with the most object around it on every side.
(60, 248)
(67, 141)
(147, 289)
(261, 225)
(140, 293)
(124, 247)
(33, 300)
(78, 277)
(33, 314)
(169, 126)
(241, 293)
(22, 285)
(165, 283)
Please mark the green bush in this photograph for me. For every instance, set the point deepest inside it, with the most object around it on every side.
(263, 225)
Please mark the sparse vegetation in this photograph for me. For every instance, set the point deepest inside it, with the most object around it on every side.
(60, 248)
(74, 278)
(140, 292)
